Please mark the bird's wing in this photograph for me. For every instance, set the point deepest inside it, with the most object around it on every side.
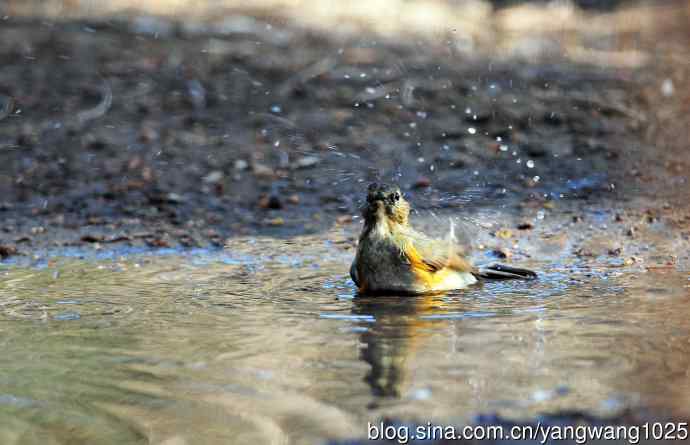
(435, 254)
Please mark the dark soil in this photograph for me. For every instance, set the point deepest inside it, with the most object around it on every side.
(277, 130)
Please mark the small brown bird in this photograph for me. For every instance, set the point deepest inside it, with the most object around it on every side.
(393, 257)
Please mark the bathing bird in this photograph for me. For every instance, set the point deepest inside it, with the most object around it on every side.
(392, 257)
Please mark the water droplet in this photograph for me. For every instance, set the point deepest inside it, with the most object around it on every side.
(667, 88)
(536, 179)
(540, 214)
(276, 109)
(530, 164)
(472, 130)
(503, 147)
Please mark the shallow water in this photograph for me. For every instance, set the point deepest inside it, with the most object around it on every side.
(267, 343)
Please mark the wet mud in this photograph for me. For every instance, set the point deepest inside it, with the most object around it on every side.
(159, 136)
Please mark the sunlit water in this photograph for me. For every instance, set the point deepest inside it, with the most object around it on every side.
(267, 343)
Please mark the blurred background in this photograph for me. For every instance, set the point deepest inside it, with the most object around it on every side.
(215, 118)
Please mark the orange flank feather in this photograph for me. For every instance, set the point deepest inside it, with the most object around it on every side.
(435, 274)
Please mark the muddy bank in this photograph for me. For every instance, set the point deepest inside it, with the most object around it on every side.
(117, 137)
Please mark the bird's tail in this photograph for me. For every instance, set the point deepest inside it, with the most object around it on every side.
(503, 272)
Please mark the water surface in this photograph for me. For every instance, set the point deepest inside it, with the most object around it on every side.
(266, 342)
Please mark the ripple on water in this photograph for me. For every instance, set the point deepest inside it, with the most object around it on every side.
(164, 338)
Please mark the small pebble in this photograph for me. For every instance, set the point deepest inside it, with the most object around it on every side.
(270, 202)
(241, 164)
(262, 171)
(7, 251)
(615, 252)
(306, 162)
(213, 177)
(502, 252)
(526, 225)
(343, 219)
(504, 233)
(422, 182)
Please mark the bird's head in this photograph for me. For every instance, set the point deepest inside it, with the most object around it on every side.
(385, 202)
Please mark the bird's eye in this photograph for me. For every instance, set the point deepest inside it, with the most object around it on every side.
(396, 196)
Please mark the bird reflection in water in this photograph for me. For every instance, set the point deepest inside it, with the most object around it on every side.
(391, 342)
